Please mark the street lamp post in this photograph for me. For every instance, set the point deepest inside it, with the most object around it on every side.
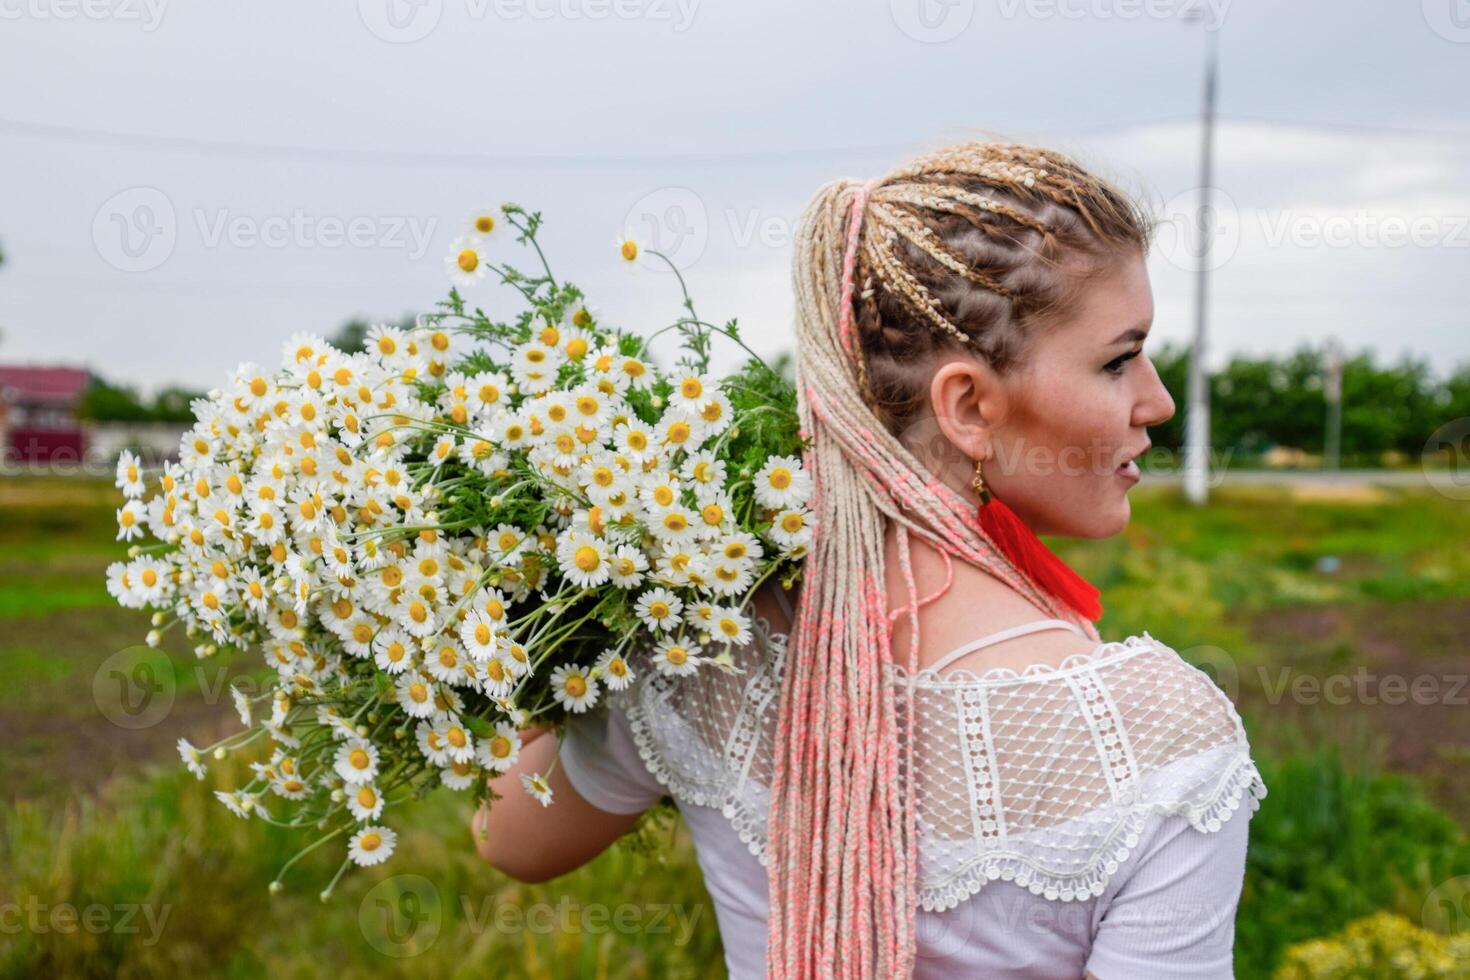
(1197, 419)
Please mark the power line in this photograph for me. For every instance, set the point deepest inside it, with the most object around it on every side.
(418, 158)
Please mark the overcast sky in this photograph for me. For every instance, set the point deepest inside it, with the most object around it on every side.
(188, 183)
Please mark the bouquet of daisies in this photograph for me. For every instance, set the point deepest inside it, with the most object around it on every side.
(463, 529)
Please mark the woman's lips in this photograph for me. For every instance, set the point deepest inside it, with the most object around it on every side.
(1129, 470)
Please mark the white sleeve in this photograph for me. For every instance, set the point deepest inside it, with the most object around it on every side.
(1174, 916)
(602, 763)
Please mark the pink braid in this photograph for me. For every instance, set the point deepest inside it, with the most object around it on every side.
(842, 829)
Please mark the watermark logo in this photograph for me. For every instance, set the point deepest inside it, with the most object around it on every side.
(147, 13)
(135, 230)
(672, 221)
(400, 21)
(1448, 444)
(135, 687)
(1199, 229)
(401, 916)
(932, 21)
(1219, 665)
(1450, 19)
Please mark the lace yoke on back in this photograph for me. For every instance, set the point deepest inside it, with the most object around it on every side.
(1043, 776)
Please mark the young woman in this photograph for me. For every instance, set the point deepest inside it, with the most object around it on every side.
(927, 763)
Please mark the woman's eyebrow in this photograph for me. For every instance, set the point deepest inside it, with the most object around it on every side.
(1129, 335)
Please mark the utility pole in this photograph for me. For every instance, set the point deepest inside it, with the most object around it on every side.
(1197, 421)
(1332, 392)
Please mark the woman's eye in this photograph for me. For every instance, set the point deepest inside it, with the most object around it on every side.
(1115, 366)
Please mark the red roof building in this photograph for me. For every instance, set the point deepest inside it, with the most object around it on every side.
(38, 422)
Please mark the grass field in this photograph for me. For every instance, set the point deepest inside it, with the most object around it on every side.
(115, 863)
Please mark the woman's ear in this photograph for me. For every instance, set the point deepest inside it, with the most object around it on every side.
(968, 399)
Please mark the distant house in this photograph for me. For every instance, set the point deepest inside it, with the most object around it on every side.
(38, 422)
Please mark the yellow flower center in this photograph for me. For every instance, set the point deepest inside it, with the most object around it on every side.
(587, 558)
(468, 261)
(576, 686)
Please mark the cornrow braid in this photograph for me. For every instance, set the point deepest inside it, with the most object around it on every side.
(973, 247)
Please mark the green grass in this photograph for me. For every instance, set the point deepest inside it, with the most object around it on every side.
(96, 815)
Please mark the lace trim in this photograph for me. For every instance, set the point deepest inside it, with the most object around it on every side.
(747, 819)
(1100, 655)
(1242, 780)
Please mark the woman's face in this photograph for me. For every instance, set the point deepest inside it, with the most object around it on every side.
(1061, 431)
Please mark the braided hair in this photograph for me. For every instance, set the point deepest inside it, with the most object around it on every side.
(967, 248)
(973, 248)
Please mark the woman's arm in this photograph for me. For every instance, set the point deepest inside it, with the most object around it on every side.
(534, 843)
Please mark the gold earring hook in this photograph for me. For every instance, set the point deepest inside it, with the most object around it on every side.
(979, 483)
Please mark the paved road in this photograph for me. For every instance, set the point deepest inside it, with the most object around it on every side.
(1455, 484)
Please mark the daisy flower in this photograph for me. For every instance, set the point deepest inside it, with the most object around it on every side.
(487, 392)
(628, 250)
(674, 525)
(499, 679)
(573, 688)
(192, 758)
(129, 475)
(705, 473)
(499, 751)
(614, 670)
(478, 635)
(536, 785)
(458, 775)
(715, 415)
(583, 560)
(459, 745)
(385, 340)
(740, 546)
(130, 520)
(466, 260)
(626, 566)
(356, 761)
(393, 650)
(290, 786)
(636, 372)
(659, 609)
(242, 705)
(713, 514)
(676, 430)
(535, 366)
(782, 483)
(415, 694)
(234, 801)
(732, 626)
(729, 577)
(484, 223)
(791, 527)
(364, 802)
(635, 439)
(446, 662)
(371, 845)
(691, 391)
(511, 430)
(677, 659)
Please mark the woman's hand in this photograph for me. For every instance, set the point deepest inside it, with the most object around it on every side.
(534, 843)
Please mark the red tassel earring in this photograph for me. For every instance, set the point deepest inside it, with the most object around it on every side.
(1031, 556)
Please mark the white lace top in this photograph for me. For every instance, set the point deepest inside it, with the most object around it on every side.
(1071, 818)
